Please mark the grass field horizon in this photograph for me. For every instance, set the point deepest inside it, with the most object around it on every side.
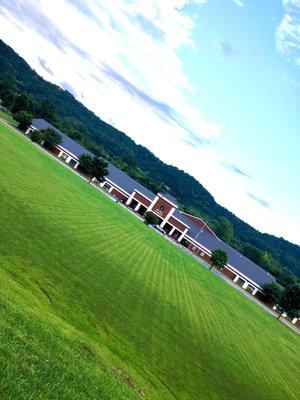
(95, 305)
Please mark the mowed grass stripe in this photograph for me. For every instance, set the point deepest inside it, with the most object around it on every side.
(113, 306)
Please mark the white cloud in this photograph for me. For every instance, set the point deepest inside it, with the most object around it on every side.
(121, 60)
(288, 31)
(239, 3)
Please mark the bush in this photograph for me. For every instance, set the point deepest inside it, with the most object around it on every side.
(24, 118)
(150, 218)
(37, 136)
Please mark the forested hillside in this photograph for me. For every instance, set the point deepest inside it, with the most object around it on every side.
(22, 88)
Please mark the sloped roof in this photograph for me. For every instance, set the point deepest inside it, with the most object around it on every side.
(235, 259)
(68, 143)
(126, 182)
(114, 174)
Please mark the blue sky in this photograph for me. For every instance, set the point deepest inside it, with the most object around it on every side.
(212, 87)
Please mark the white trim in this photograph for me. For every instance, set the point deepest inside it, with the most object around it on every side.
(137, 207)
(181, 221)
(245, 285)
(116, 186)
(130, 198)
(69, 153)
(152, 203)
(165, 220)
(236, 278)
(167, 200)
(172, 230)
(182, 235)
(137, 191)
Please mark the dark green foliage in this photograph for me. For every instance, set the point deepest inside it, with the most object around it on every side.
(95, 165)
(37, 136)
(219, 258)
(273, 292)
(290, 300)
(150, 218)
(60, 108)
(24, 118)
(224, 230)
(51, 137)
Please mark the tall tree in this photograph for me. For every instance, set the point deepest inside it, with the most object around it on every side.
(273, 292)
(24, 118)
(52, 137)
(224, 230)
(95, 165)
(290, 300)
(218, 258)
(150, 218)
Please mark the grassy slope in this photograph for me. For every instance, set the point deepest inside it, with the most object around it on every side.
(95, 305)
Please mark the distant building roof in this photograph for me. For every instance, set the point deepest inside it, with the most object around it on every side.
(114, 174)
(126, 182)
(169, 197)
(235, 259)
(68, 143)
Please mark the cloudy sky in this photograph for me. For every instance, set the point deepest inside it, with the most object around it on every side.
(212, 86)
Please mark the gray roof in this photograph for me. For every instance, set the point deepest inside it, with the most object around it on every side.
(68, 143)
(168, 196)
(114, 174)
(235, 259)
(126, 183)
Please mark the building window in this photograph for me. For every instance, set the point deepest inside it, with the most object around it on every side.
(64, 156)
(162, 208)
(106, 186)
(202, 254)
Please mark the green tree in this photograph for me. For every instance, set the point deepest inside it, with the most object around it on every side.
(99, 168)
(24, 118)
(150, 218)
(224, 230)
(22, 103)
(52, 137)
(86, 161)
(218, 258)
(289, 301)
(95, 165)
(37, 136)
(273, 292)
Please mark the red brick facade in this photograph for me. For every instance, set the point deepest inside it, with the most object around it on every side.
(119, 195)
(137, 196)
(162, 207)
(177, 224)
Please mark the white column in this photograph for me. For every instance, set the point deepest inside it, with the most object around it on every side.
(294, 320)
(254, 292)
(284, 314)
(152, 204)
(172, 231)
(76, 165)
(102, 184)
(182, 235)
(69, 158)
(274, 308)
(130, 198)
(110, 189)
(137, 207)
(245, 285)
(236, 278)
(28, 130)
(60, 153)
(167, 217)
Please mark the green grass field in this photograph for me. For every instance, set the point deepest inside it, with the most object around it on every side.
(95, 305)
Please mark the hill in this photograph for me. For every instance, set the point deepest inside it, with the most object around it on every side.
(94, 304)
(59, 107)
